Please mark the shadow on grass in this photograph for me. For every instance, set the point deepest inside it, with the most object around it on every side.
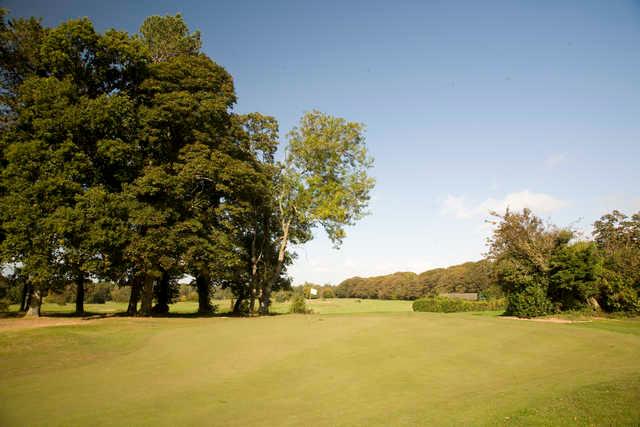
(122, 314)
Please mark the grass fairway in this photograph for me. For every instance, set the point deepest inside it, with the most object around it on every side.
(397, 368)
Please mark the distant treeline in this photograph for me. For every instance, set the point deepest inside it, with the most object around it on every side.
(467, 277)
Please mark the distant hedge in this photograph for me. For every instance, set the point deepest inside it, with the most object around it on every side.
(453, 305)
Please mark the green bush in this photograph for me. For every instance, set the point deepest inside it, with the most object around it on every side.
(98, 293)
(282, 296)
(299, 304)
(530, 302)
(189, 293)
(328, 293)
(121, 293)
(455, 305)
(57, 298)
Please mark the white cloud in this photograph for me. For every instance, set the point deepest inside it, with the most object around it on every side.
(537, 202)
(554, 160)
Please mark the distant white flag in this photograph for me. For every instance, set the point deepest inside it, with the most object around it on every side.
(314, 291)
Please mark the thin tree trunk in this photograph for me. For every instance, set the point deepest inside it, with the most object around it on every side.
(162, 306)
(80, 294)
(26, 296)
(147, 296)
(35, 303)
(253, 283)
(132, 309)
(204, 295)
(265, 300)
(237, 306)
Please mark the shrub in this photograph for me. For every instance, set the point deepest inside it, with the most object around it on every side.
(62, 296)
(57, 298)
(328, 293)
(530, 302)
(455, 305)
(218, 294)
(121, 293)
(98, 293)
(299, 304)
(282, 296)
(188, 293)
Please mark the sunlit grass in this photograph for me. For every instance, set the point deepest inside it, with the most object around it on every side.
(371, 368)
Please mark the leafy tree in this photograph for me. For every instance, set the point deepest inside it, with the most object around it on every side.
(168, 36)
(68, 111)
(522, 246)
(323, 182)
(574, 275)
(618, 239)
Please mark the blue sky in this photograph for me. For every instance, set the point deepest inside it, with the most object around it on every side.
(469, 106)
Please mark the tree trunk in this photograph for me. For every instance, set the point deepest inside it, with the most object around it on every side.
(265, 300)
(253, 283)
(162, 306)
(26, 297)
(237, 306)
(204, 295)
(147, 296)
(132, 309)
(80, 294)
(35, 304)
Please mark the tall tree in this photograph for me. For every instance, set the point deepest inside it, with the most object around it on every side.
(197, 174)
(71, 122)
(522, 246)
(168, 36)
(618, 239)
(323, 182)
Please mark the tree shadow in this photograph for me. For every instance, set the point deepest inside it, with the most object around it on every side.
(89, 315)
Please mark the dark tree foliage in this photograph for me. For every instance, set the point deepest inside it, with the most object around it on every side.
(122, 160)
(618, 239)
(542, 270)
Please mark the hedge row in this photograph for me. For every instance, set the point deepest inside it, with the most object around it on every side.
(453, 305)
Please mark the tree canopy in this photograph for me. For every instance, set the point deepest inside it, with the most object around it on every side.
(123, 160)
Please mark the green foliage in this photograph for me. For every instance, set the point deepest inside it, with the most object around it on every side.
(470, 277)
(282, 296)
(618, 239)
(4, 293)
(324, 179)
(529, 302)
(328, 292)
(168, 36)
(188, 293)
(574, 275)
(454, 305)
(522, 248)
(61, 297)
(120, 294)
(98, 293)
(299, 304)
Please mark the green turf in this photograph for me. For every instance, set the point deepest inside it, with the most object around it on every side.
(319, 306)
(398, 368)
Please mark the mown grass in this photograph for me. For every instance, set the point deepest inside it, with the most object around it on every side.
(399, 368)
(319, 306)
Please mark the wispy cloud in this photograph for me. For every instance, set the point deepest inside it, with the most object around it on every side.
(460, 208)
(555, 159)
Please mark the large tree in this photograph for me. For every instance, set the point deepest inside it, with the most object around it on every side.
(69, 122)
(521, 247)
(618, 239)
(323, 182)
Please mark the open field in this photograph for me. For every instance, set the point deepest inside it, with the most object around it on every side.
(398, 368)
